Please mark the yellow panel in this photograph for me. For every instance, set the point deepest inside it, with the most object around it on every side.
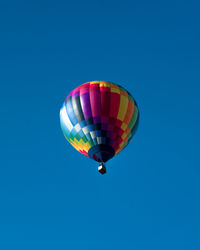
(94, 82)
(124, 136)
(82, 142)
(124, 126)
(122, 107)
(115, 90)
(121, 145)
(88, 144)
(104, 84)
(80, 145)
(73, 144)
(77, 143)
(85, 146)
(71, 141)
(83, 149)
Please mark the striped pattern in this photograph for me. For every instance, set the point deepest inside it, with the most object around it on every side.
(98, 113)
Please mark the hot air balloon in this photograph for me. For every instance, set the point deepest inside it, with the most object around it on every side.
(99, 119)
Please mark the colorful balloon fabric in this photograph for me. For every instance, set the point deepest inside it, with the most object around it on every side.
(99, 119)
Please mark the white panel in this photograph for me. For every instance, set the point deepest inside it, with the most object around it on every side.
(99, 140)
(93, 134)
(65, 119)
(85, 130)
(77, 128)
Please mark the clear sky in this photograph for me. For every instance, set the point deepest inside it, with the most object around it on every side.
(51, 196)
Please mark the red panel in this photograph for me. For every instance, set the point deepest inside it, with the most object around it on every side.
(105, 101)
(95, 100)
(114, 104)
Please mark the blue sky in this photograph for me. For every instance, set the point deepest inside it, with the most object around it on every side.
(52, 197)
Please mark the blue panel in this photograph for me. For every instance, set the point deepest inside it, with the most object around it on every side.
(98, 133)
(91, 128)
(74, 132)
(83, 124)
(103, 140)
(95, 141)
(88, 136)
(81, 134)
(70, 112)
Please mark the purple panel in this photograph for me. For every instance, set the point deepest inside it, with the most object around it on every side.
(97, 119)
(110, 127)
(104, 126)
(109, 134)
(85, 104)
(111, 142)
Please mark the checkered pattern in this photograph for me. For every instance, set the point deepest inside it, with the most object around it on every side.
(99, 112)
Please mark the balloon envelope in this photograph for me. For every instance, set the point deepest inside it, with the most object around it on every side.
(99, 119)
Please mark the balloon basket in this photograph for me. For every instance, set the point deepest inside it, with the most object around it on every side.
(102, 168)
